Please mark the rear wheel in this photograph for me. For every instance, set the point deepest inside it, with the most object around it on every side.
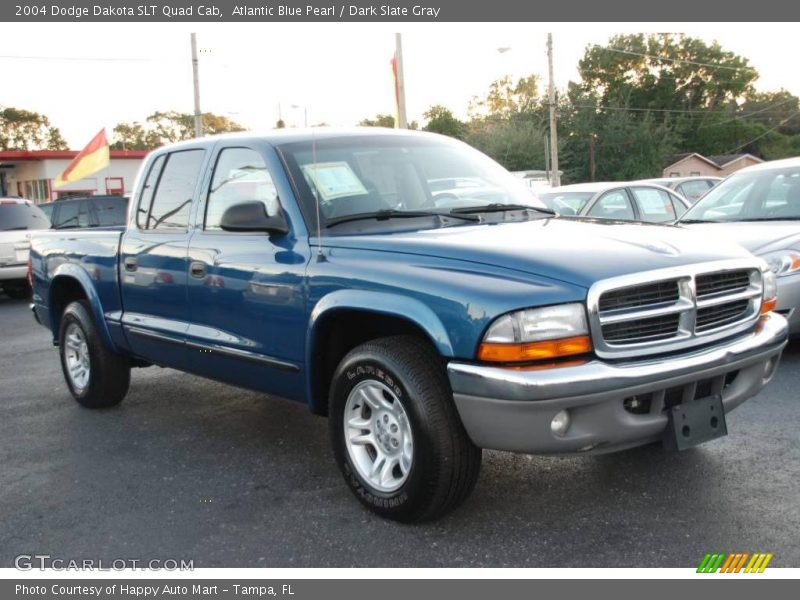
(396, 434)
(96, 376)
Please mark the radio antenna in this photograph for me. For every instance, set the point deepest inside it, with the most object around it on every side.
(320, 255)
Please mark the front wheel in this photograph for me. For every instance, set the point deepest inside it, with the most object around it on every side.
(96, 376)
(396, 434)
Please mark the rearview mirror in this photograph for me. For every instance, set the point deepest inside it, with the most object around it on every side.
(252, 216)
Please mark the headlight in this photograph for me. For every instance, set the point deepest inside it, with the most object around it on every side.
(783, 262)
(770, 299)
(537, 334)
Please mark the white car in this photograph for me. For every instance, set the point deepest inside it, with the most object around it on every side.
(18, 217)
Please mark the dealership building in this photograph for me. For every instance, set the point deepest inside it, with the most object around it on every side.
(30, 174)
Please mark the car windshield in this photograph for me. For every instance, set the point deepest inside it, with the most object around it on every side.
(763, 195)
(570, 203)
(389, 174)
(15, 216)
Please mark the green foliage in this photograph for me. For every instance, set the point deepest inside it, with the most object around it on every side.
(441, 120)
(380, 120)
(26, 130)
(517, 144)
(166, 127)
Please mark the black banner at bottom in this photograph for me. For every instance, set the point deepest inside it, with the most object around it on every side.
(394, 589)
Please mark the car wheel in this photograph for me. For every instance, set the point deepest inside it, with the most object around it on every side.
(96, 376)
(396, 434)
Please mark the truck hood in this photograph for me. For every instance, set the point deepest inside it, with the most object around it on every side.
(759, 238)
(570, 250)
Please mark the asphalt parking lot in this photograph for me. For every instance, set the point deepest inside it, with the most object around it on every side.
(188, 468)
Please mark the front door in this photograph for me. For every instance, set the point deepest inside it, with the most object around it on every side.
(153, 258)
(246, 294)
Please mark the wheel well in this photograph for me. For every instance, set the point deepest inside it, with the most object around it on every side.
(339, 333)
(63, 291)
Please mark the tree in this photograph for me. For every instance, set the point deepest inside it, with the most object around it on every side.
(441, 120)
(516, 144)
(167, 127)
(380, 120)
(26, 130)
(507, 99)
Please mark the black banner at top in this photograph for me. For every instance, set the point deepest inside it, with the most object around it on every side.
(397, 11)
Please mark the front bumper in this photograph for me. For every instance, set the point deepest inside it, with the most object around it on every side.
(789, 301)
(511, 409)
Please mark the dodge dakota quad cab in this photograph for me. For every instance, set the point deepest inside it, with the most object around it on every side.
(426, 320)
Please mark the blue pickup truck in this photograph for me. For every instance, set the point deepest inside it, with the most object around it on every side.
(413, 291)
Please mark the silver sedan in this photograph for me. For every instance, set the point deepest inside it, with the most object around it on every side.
(759, 207)
(619, 201)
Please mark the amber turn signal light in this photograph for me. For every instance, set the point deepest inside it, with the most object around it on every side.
(769, 305)
(530, 351)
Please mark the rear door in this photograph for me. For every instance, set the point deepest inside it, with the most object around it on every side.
(153, 257)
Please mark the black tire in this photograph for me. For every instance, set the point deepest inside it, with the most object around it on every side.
(445, 463)
(17, 292)
(109, 374)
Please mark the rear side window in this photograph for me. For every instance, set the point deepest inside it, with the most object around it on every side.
(146, 199)
(173, 197)
(613, 205)
(655, 205)
(694, 189)
(110, 211)
(21, 217)
(239, 176)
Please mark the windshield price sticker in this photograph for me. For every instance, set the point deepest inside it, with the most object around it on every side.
(335, 180)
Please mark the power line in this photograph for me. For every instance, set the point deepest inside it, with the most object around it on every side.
(677, 60)
(78, 58)
(700, 112)
(750, 114)
(758, 137)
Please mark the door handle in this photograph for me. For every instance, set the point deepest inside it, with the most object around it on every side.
(130, 263)
(197, 269)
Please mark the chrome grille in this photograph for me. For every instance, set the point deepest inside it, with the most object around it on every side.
(722, 283)
(671, 309)
(640, 295)
(721, 314)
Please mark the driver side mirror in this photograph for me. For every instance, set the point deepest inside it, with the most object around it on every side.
(252, 216)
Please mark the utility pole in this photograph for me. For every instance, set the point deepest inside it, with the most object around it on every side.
(591, 158)
(555, 178)
(198, 116)
(400, 83)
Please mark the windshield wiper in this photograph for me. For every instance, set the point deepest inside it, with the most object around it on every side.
(771, 219)
(391, 213)
(681, 221)
(499, 207)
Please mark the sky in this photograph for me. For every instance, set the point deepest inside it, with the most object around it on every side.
(85, 76)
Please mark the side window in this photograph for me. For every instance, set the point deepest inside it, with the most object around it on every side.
(240, 175)
(655, 205)
(692, 190)
(83, 214)
(68, 215)
(110, 212)
(613, 205)
(173, 197)
(146, 199)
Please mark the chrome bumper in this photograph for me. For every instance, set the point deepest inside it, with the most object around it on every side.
(511, 409)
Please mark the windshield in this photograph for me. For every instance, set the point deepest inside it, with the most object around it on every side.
(566, 203)
(367, 174)
(15, 216)
(770, 195)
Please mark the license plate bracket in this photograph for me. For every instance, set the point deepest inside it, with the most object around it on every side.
(695, 422)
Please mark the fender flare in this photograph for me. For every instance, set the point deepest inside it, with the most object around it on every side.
(404, 307)
(76, 273)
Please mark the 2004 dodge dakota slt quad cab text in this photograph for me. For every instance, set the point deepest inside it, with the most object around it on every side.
(417, 294)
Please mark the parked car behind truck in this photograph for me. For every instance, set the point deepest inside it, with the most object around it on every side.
(759, 208)
(317, 266)
(18, 218)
